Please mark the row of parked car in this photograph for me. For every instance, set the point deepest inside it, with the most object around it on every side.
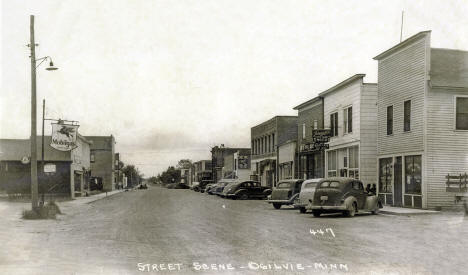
(330, 195)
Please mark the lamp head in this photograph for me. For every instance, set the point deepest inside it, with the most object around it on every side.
(51, 67)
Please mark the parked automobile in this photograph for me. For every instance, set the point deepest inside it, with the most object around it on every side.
(245, 190)
(203, 184)
(346, 195)
(307, 193)
(285, 192)
(194, 185)
(218, 188)
(208, 188)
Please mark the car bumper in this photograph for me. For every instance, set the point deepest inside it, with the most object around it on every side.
(300, 205)
(327, 207)
(284, 202)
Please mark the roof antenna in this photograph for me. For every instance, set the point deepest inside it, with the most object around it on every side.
(401, 31)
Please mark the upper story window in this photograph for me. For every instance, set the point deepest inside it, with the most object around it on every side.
(389, 120)
(303, 131)
(461, 116)
(315, 124)
(407, 116)
(334, 124)
(91, 158)
(348, 120)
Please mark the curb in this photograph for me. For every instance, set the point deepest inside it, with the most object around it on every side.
(409, 213)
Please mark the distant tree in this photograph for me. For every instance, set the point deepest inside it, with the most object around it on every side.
(170, 175)
(134, 176)
(184, 163)
(153, 180)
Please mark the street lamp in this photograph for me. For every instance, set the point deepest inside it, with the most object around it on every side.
(34, 179)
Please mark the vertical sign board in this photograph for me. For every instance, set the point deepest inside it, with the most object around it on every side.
(64, 136)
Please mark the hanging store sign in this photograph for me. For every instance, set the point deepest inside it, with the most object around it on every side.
(64, 136)
(321, 135)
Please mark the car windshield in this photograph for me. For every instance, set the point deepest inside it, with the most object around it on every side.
(330, 184)
(284, 185)
(310, 185)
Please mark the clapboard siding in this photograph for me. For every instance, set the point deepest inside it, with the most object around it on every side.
(447, 149)
(336, 101)
(368, 134)
(401, 77)
(363, 98)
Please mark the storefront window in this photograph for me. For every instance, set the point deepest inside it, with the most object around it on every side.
(354, 162)
(385, 175)
(332, 163)
(413, 174)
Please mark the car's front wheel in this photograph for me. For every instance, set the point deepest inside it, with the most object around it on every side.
(316, 213)
(276, 205)
(302, 210)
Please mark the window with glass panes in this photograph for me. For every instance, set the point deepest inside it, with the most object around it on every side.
(407, 116)
(332, 163)
(413, 174)
(334, 124)
(353, 162)
(385, 175)
(461, 119)
(348, 120)
(389, 120)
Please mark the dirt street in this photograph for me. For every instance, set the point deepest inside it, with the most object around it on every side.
(162, 231)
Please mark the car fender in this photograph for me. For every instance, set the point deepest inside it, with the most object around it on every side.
(267, 192)
(349, 202)
(293, 197)
(372, 203)
(238, 192)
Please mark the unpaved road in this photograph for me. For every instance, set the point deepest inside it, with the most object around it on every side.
(154, 230)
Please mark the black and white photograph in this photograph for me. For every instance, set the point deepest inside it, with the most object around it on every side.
(234, 137)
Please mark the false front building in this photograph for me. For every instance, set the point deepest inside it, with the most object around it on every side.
(349, 112)
(422, 123)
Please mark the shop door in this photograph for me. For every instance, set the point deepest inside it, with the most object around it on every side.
(397, 182)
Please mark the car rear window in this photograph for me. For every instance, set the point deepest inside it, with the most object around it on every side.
(330, 184)
(310, 185)
(284, 185)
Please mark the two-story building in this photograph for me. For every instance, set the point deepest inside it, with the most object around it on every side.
(350, 113)
(237, 165)
(311, 160)
(103, 160)
(217, 160)
(265, 138)
(201, 170)
(422, 122)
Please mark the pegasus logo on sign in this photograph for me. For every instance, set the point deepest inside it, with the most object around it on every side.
(64, 136)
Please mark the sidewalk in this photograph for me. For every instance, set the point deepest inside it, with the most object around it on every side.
(405, 211)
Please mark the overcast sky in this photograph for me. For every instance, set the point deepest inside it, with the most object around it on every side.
(170, 79)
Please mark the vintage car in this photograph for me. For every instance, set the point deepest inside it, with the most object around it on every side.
(208, 188)
(195, 185)
(285, 192)
(245, 190)
(218, 188)
(346, 195)
(307, 193)
(202, 185)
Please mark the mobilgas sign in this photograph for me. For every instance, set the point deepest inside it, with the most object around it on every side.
(64, 136)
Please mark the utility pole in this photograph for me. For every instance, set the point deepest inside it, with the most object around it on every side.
(42, 146)
(34, 185)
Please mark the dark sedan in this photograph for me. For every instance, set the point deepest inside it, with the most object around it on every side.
(344, 195)
(245, 190)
